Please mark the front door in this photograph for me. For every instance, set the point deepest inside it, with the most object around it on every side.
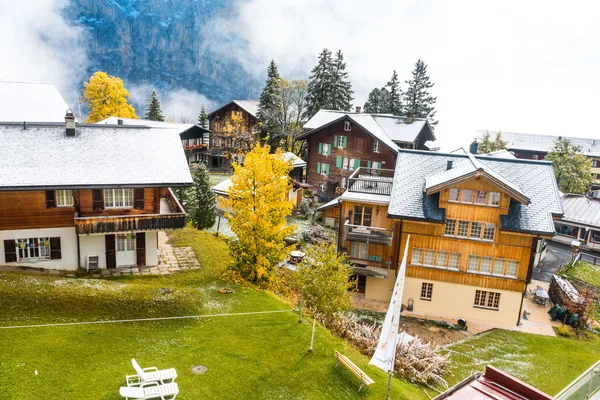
(125, 250)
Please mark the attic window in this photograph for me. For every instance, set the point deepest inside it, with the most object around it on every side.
(347, 126)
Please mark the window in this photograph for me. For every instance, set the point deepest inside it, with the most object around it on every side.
(493, 266)
(595, 163)
(441, 260)
(33, 248)
(428, 258)
(466, 196)
(343, 182)
(487, 299)
(567, 230)
(118, 198)
(426, 291)
(345, 163)
(236, 114)
(488, 232)
(485, 266)
(184, 142)
(494, 199)
(359, 251)
(352, 163)
(454, 193)
(511, 268)
(463, 228)
(476, 230)
(473, 265)
(535, 157)
(453, 260)
(323, 169)
(64, 198)
(340, 141)
(450, 227)
(347, 126)
(363, 215)
(498, 266)
(322, 187)
(480, 197)
(376, 146)
(416, 256)
(595, 236)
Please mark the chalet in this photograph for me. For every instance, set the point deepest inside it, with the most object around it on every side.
(475, 224)
(536, 147)
(580, 221)
(233, 126)
(339, 143)
(194, 138)
(31, 102)
(87, 195)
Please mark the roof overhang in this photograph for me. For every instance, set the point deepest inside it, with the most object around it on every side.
(92, 186)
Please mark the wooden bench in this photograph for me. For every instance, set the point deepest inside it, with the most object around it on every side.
(345, 361)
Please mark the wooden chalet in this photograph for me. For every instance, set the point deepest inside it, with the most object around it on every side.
(233, 130)
(87, 195)
(580, 221)
(339, 143)
(194, 138)
(475, 224)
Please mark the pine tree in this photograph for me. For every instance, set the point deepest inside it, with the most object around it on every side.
(378, 101)
(153, 111)
(205, 211)
(318, 89)
(499, 143)
(107, 97)
(418, 103)
(487, 145)
(203, 118)
(394, 104)
(268, 102)
(341, 88)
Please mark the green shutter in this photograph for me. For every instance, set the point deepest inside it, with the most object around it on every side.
(344, 141)
(318, 168)
(338, 161)
(357, 163)
(329, 150)
(320, 148)
(369, 164)
(326, 168)
(335, 141)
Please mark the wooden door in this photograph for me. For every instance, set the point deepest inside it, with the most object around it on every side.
(111, 254)
(140, 248)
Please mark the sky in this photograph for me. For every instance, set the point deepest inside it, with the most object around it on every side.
(525, 66)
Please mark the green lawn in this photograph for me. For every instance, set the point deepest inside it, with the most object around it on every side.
(586, 272)
(248, 357)
(548, 363)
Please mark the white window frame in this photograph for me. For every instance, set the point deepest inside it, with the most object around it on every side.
(493, 197)
(376, 146)
(347, 126)
(118, 198)
(454, 195)
(326, 149)
(487, 300)
(345, 163)
(431, 259)
(426, 291)
(28, 251)
(340, 143)
(64, 198)
(322, 187)
(343, 182)
(476, 197)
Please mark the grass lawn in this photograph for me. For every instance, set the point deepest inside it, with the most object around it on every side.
(248, 357)
(548, 363)
(586, 272)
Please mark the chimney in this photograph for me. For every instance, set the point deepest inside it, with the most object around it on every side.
(70, 123)
(25, 125)
(358, 109)
(473, 147)
(449, 165)
(409, 119)
(119, 121)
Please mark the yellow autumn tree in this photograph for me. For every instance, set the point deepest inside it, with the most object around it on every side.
(258, 203)
(107, 97)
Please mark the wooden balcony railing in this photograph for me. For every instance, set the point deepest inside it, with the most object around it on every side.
(369, 234)
(371, 180)
(152, 222)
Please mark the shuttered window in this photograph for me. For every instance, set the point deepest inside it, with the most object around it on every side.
(50, 199)
(118, 198)
(64, 198)
(29, 249)
(138, 199)
(339, 161)
(97, 199)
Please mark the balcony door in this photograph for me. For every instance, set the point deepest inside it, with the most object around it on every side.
(363, 215)
(125, 250)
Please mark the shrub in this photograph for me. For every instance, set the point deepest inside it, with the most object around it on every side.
(565, 331)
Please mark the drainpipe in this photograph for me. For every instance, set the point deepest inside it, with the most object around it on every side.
(340, 227)
(529, 273)
(78, 250)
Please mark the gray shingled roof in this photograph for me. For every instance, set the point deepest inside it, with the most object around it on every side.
(544, 143)
(581, 209)
(535, 178)
(31, 102)
(42, 156)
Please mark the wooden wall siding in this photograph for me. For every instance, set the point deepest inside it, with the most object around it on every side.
(27, 210)
(216, 120)
(332, 212)
(462, 278)
(378, 219)
(86, 209)
(359, 146)
(480, 210)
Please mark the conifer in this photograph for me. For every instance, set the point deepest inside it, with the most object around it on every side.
(418, 102)
(153, 111)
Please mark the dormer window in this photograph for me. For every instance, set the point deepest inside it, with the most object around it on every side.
(347, 126)
(468, 196)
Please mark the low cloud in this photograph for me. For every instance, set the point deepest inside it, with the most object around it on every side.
(39, 45)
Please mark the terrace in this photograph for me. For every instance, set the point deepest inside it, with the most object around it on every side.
(371, 181)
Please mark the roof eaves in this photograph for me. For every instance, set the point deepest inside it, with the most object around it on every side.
(315, 130)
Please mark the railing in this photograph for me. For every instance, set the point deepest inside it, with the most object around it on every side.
(369, 234)
(371, 180)
(199, 148)
(148, 222)
(370, 270)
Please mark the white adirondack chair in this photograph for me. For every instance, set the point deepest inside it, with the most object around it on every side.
(150, 390)
(150, 374)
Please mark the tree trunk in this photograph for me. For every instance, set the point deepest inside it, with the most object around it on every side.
(312, 339)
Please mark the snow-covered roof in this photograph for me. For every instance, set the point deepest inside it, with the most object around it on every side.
(389, 129)
(250, 106)
(42, 156)
(222, 188)
(296, 161)
(146, 122)
(500, 154)
(31, 102)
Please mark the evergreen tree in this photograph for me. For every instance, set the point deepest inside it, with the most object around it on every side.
(268, 102)
(418, 103)
(319, 85)
(487, 145)
(203, 118)
(341, 88)
(573, 170)
(378, 101)
(499, 143)
(205, 211)
(394, 104)
(153, 111)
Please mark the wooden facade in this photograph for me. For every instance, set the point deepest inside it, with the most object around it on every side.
(355, 144)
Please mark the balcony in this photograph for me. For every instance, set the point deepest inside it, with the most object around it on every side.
(377, 272)
(371, 181)
(369, 234)
(171, 216)
(198, 148)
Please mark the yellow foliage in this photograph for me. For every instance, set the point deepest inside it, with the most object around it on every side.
(258, 204)
(107, 97)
